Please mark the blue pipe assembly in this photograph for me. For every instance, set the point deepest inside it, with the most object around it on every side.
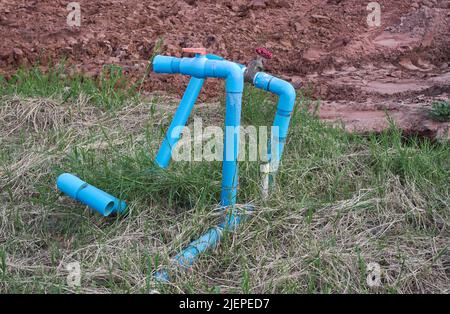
(104, 203)
(200, 67)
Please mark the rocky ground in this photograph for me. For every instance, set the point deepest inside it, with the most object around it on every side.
(359, 72)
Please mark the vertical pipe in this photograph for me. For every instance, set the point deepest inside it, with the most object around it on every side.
(285, 106)
(281, 121)
(280, 127)
(179, 119)
(231, 148)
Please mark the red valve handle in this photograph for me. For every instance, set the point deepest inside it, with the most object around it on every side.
(264, 52)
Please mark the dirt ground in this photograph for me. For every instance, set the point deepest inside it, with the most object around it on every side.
(359, 72)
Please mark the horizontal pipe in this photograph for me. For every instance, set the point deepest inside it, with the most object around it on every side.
(89, 195)
(203, 67)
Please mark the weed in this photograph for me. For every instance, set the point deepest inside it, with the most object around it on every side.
(440, 111)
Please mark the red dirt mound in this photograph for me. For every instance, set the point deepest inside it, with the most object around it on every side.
(325, 44)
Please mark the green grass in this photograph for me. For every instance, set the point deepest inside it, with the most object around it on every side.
(440, 111)
(109, 90)
(341, 200)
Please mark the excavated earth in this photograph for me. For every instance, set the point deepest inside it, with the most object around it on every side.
(360, 73)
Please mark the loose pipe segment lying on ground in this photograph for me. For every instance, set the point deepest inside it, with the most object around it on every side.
(199, 68)
(89, 195)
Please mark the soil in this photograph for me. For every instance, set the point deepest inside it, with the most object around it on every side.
(326, 46)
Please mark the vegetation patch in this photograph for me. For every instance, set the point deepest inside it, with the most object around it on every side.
(342, 201)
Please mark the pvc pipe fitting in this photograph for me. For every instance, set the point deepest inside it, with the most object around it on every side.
(202, 67)
(102, 202)
(285, 106)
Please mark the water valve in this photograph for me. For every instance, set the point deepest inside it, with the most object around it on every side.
(257, 65)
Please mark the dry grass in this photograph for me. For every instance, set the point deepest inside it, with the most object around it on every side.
(341, 203)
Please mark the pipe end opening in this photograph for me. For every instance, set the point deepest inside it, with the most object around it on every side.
(108, 209)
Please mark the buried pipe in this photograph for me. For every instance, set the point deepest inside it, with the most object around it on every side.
(89, 195)
(209, 239)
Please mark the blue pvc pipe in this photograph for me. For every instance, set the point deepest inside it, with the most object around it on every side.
(202, 67)
(102, 202)
(286, 102)
(179, 120)
(285, 106)
(210, 239)
(212, 66)
(231, 149)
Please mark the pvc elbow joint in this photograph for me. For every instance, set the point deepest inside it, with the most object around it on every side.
(235, 78)
(232, 72)
(279, 87)
(288, 91)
